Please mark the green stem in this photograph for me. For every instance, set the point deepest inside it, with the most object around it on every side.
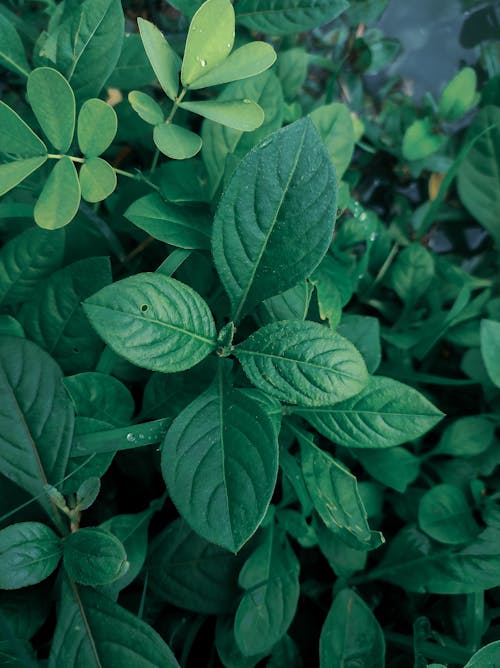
(58, 156)
(382, 271)
(136, 177)
(447, 653)
(177, 102)
(155, 162)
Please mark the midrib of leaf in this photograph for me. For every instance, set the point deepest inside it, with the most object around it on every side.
(76, 58)
(270, 231)
(220, 391)
(329, 410)
(22, 273)
(64, 324)
(291, 360)
(83, 615)
(20, 69)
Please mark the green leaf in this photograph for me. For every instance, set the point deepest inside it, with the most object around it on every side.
(395, 467)
(12, 173)
(153, 321)
(12, 53)
(445, 515)
(53, 104)
(89, 42)
(243, 115)
(412, 273)
(284, 17)
(334, 124)
(490, 349)
(9, 326)
(29, 553)
(227, 649)
(93, 556)
(292, 68)
(259, 245)
(146, 107)
(384, 414)
(101, 397)
(53, 316)
(209, 41)
(181, 226)
(164, 61)
(421, 140)
(364, 332)
(97, 125)
(293, 304)
(97, 179)
(87, 493)
(17, 138)
(25, 260)
(459, 95)
(466, 437)
(247, 61)
(175, 141)
(302, 363)
(36, 423)
(220, 462)
(486, 657)
(335, 495)
(193, 574)
(60, 197)
(351, 635)
(133, 69)
(270, 577)
(92, 630)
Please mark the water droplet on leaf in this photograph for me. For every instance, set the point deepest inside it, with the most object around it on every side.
(203, 62)
(130, 438)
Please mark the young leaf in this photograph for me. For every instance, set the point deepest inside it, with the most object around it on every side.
(97, 179)
(459, 95)
(164, 61)
(395, 467)
(270, 577)
(292, 304)
(153, 321)
(284, 17)
(466, 437)
(97, 125)
(247, 61)
(146, 107)
(412, 273)
(243, 115)
(490, 349)
(220, 462)
(420, 140)
(29, 553)
(87, 493)
(100, 396)
(209, 41)
(260, 245)
(12, 173)
(17, 138)
(60, 197)
(12, 54)
(302, 363)
(384, 414)
(94, 557)
(351, 634)
(53, 104)
(364, 332)
(445, 515)
(334, 124)
(175, 141)
(36, 424)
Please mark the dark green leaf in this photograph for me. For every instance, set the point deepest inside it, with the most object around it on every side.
(412, 272)
(490, 349)
(364, 333)
(292, 304)
(87, 493)
(487, 656)
(17, 138)
(466, 437)
(12, 54)
(282, 17)
(94, 556)
(12, 173)
(395, 467)
(60, 198)
(445, 515)
(101, 397)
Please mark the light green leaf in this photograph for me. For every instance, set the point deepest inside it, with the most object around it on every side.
(146, 107)
(466, 437)
(384, 414)
(270, 577)
(247, 61)
(459, 95)
(181, 226)
(334, 124)
(29, 553)
(153, 321)
(100, 396)
(94, 556)
(53, 104)
(97, 125)
(209, 41)
(25, 260)
(243, 115)
(421, 140)
(12, 173)
(412, 272)
(284, 17)
(302, 363)
(97, 179)
(260, 244)
(164, 61)
(16, 137)
(351, 635)
(486, 657)
(12, 53)
(490, 349)
(220, 462)
(175, 141)
(445, 515)
(60, 197)
(36, 422)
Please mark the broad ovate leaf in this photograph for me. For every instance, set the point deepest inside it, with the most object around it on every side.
(60, 197)
(444, 514)
(97, 125)
(275, 220)
(421, 140)
(164, 61)
(302, 363)
(244, 115)
(94, 556)
(384, 414)
(284, 17)
(176, 142)
(459, 95)
(146, 107)
(153, 321)
(220, 462)
(97, 179)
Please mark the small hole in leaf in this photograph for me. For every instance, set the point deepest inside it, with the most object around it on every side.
(144, 308)
(76, 350)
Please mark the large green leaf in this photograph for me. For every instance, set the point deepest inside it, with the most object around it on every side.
(60, 197)
(282, 17)
(261, 244)
(25, 260)
(182, 226)
(164, 61)
(36, 417)
(220, 462)
(302, 363)
(29, 553)
(101, 397)
(191, 573)
(16, 137)
(53, 104)
(490, 349)
(351, 635)
(244, 115)
(444, 514)
(384, 414)
(270, 577)
(12, 54)
(334, 124)
(487, 657)
(97, 125)
(94, 556)
(209, 41)
(12, 173)
(89, 43)
(92, 630)
(153, 321)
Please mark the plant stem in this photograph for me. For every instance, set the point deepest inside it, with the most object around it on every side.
(136, 177)
(447, 653)
(177, 102)
(58, 156)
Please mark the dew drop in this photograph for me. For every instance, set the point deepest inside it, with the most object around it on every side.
(247, 101)
(203, 62)
(363, 216)
(373, 236)
(130, 438)
(228, 45)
